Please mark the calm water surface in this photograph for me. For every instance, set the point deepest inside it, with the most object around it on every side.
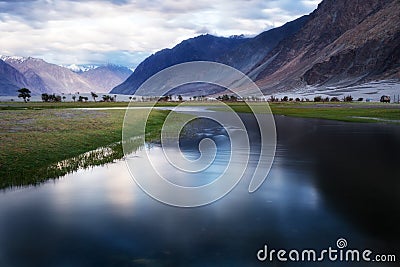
(329, 180)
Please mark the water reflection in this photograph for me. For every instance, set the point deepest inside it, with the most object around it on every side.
(323, 185)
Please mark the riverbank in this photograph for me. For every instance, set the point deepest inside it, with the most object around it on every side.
(341, 111)
(35, 141)
(347, 112)
(35, 137)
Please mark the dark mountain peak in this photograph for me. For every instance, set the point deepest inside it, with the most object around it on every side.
(202, 47)
(10, 79)
(240, 36)
(238, 51)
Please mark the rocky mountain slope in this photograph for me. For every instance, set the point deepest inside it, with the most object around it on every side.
(241, 53)
(245, 56)
(10, 79)
(46, 77)
(344, 42)
(204, 47)
(42, 77)
(106, 77)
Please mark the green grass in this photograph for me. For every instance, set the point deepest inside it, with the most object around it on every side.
(34, 142)
(351, 112)
(42, 105)
(348, 112)
(39, 141)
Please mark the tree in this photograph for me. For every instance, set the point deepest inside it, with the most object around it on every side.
(94, 95)
(45, 97)
(233, 98)
(74, 97)
(318, 99)
(51, 98)
(272, 99)
(82, 98)
(24, 93)
(348, 98)
(107, 98)
(385, 99)
(180, 98)
(223, 98)
(164, 98)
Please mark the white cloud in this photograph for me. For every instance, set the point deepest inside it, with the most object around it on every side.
(66, 32)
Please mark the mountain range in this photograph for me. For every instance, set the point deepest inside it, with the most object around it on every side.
(239, 52)
(43, 77)
(342, 43)
(204, 47)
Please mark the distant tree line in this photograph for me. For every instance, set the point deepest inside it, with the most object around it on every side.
(226, 98)
(51, 98)
(25, 94)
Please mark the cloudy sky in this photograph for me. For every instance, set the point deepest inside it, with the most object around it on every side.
(127, 31)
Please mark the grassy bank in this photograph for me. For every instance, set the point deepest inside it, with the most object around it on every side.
(342, 112)
(34, 141)
(45, 140)
(48, 105)
(348, 112)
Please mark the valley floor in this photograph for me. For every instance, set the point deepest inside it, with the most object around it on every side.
(36, 136)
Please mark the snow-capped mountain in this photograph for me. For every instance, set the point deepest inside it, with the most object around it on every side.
(43, 77)
(106, 77)
(80, 68)
(13, 58)
(342, 43)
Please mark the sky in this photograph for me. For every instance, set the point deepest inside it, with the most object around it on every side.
(127, 31)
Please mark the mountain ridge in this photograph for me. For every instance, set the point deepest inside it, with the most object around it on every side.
(203, 47)
(341, 43)
(325, 51)
(43, 77)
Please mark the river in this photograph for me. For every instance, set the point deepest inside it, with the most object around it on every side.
(329, 180)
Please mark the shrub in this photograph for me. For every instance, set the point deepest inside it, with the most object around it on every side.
(272, 99)
(348, 98)
(317, 99)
